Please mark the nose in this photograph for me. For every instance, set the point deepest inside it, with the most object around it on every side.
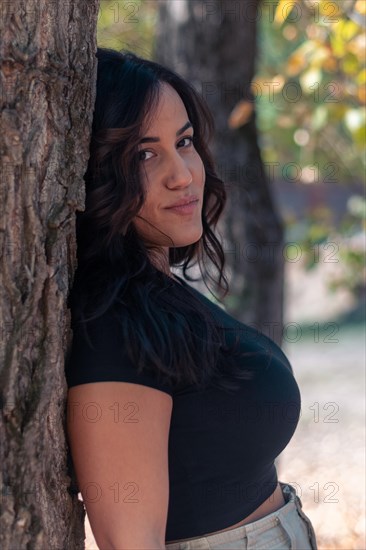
(178, 172)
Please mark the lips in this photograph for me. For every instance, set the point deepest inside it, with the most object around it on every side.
(184, 201)
(185, 209)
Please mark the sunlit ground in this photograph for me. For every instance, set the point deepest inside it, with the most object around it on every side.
(326, 456)
(325, 459)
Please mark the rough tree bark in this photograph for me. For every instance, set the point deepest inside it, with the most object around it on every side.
(213, 44)
(47, 78)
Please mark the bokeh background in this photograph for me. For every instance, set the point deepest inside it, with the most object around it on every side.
(309, 95)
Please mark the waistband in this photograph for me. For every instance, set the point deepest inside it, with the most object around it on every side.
(292, 500)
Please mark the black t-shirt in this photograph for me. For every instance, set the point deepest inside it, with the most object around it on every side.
(222, 446)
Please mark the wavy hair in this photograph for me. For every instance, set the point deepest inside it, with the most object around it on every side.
(159, 318)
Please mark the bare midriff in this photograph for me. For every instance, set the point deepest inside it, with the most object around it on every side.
(273, 503)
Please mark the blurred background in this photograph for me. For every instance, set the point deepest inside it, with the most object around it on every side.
(286, 83)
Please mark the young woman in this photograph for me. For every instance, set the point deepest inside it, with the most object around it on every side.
(176, 411)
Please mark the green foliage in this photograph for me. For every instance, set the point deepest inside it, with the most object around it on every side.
(318, 238)
(127, 24)
(312, 55)
(310, 87)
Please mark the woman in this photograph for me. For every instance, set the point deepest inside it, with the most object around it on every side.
(176, 411)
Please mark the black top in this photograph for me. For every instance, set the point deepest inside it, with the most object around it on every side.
(222, 446)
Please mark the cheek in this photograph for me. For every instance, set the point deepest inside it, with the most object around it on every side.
(150, 206)
(199, 169)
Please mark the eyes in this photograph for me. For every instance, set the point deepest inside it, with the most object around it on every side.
(189, 139)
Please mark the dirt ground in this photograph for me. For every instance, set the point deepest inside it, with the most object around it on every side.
(326, 456)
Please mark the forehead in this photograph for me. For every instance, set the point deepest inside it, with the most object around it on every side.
(169, 110)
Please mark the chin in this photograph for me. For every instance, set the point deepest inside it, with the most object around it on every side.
(189, 240)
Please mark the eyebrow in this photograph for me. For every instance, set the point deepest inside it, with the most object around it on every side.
(155, 139)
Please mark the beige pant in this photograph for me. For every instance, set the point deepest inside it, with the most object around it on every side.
(288, 528)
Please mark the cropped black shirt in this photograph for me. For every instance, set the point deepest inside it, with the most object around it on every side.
(222, 446)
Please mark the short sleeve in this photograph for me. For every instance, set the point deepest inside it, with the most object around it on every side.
(107, 359)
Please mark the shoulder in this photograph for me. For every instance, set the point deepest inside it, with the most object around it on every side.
(99, 352)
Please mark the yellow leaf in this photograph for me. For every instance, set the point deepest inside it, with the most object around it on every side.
(360, 6)
(349, 30)
(361, 78)
(240, 115)
(298, 60)
(330, 64)
(350, 64)
(338, 45)
(331, 11)
(361, 94)
(283, 10)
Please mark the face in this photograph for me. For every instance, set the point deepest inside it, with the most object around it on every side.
(171, 170)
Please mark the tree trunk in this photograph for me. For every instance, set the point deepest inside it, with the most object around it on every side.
(47, 77)
(213, 45)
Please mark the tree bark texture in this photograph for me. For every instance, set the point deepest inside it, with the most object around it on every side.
(47, 94)
(213, 44)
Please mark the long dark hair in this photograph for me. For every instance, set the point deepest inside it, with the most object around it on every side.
(114, 268)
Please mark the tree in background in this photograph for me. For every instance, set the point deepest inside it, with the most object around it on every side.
(47, 78)
(214, 46)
